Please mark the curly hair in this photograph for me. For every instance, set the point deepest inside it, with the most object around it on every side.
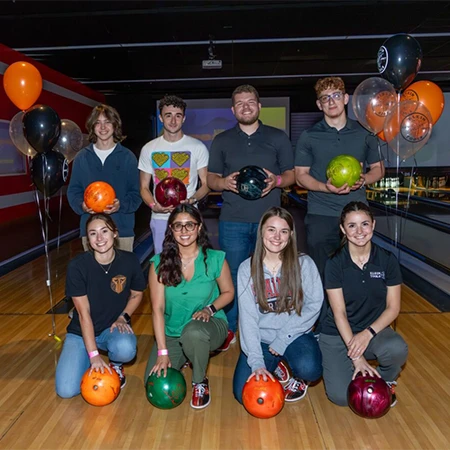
(247, 88)
(172, 100)
(329, 83)
(290, 288)
(169, 272)
(112, 115)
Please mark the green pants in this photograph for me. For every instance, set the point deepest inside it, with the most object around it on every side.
(196, 341)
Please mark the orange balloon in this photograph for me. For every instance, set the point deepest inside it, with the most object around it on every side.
(429, 94)
(381, 135)
(100, 389)
(98, 195)
(23, 84)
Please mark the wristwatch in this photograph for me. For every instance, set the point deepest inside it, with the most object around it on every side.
(126, 317)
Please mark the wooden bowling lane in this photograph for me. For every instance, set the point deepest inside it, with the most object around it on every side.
(33, 417)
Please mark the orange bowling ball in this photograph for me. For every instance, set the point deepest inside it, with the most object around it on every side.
(100, 389)
(98, 195)
(263, 399)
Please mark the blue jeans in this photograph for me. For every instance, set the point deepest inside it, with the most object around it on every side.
(303, 356)
(237, 240)
(74, 360)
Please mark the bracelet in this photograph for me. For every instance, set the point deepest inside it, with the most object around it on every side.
(354, 359)
(194, 201)
(363, 184)
(93, 353)
(163, 352)
(278, 180)
(152, 205)
(372, 331)
(212, 308)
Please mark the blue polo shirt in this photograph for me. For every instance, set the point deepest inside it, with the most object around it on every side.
(231, 150)
(318, 145)
(365, 289)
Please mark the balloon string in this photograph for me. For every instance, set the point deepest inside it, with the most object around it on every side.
(58, 239)
(44, 230)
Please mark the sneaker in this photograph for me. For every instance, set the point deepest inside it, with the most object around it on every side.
(200, 394)
(392, 385)
(231, 339)
(295, 390)
(119, 370)
(281, 373)
(186, 365)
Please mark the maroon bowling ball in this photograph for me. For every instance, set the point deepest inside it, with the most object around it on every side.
(369, 397)
(170, 192)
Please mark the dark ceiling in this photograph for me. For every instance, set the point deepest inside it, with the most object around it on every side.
(148, 48)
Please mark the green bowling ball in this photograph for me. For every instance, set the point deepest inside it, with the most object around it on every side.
(343, 169)
(166, 392)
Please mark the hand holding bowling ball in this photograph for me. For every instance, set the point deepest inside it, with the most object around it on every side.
(98, 195)
(170, 192)
(344, 169)
(250, 182)
(166, 392)
(369, 397)
(263, 399)
(100, 389)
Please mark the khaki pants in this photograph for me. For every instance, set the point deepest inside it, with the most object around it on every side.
(196, 341)
(125, 243)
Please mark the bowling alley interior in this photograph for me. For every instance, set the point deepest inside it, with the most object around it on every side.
(60, 60)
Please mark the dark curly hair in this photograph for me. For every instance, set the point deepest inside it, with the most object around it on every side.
(172, 100)
(169, 272)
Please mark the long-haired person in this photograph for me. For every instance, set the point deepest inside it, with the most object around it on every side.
(363, 283)
(190, 283)
(106, 287)
(280, 295)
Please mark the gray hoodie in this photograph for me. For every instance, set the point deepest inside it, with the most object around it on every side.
(276, 330)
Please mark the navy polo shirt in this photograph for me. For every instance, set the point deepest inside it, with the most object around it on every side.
(365, 290)
(318, 145)
(231, 150)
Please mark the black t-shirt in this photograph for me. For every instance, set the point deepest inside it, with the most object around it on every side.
(107, 293)
(364, 289)
(232, 150)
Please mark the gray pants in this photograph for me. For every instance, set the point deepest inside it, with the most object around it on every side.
(387, 347)
(196, 341)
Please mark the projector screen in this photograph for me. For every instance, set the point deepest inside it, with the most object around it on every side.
(206, 118)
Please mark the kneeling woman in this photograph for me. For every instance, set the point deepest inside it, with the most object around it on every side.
(363, 283)
(280, 295)
(106, 287)
(190, 283)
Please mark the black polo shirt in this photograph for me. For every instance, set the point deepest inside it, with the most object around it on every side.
(231, 150)
(318, 145)
(107, 293)
(365, 290)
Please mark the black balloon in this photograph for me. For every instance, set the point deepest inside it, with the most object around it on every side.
(399, 59)
(41, 127)
(49, 172)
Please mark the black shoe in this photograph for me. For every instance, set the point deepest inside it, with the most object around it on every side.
(119, 370)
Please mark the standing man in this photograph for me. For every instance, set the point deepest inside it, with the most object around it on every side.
(334, 135)
(250, 142)
(173, 154)
(106, 159)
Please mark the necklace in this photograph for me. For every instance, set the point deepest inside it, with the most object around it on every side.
(186, 263)
(273, 267)
(361, 262)
(110, 264)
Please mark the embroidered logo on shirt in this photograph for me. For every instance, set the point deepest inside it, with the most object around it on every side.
(118, 283)
(377, 275)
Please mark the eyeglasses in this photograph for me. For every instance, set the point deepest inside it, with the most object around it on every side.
(336, 96)
(188, 226)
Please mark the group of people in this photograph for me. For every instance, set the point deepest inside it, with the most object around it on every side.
(290, 328)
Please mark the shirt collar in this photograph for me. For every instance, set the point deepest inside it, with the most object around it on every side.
(243, 133)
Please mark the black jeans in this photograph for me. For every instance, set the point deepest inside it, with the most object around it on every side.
(322, 239)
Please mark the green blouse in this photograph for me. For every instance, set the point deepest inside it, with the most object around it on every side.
(191, 296)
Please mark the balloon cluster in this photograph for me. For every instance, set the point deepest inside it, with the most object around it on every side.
(400, 113)
(38, 132)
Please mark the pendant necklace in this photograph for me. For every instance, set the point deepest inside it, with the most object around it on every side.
(110, 264)
(185, 264)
